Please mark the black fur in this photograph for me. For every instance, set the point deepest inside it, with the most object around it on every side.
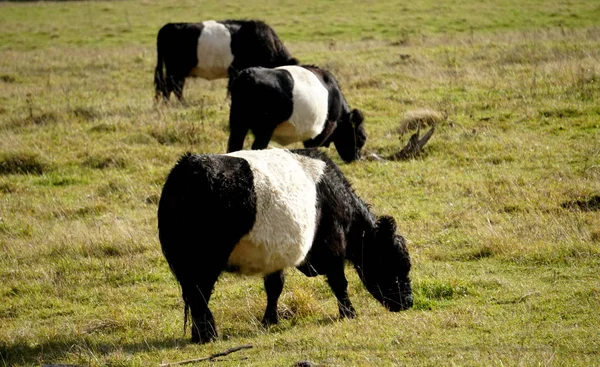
(208, 204)
(261, 99)
(253, 43)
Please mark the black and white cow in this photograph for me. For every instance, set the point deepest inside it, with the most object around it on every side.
(290, 104)
(213, 50)
(260, 212)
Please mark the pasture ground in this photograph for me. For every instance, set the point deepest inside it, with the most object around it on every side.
(501, 212)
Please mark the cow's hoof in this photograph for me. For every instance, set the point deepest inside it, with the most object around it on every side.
(270, 319)
(347, 312)
(203, 336)
(197, 339)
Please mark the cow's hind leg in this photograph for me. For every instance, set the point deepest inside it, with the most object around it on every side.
(178, 84)
(262, 139)
(197, 274)
(273, 286)
(169, 85)
(196, 295)
(175, 81)
(238, 126)
(339, 285)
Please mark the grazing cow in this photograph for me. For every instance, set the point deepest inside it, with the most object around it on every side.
(291, 104)
(259, 212)
(213, 50)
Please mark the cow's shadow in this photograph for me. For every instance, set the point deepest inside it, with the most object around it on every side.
(287, 323)
(25, 353)
(53, 351)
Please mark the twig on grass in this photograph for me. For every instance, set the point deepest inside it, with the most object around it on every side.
(209, 358)
(413, 148)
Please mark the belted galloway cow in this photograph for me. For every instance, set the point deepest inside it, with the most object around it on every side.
(260, 212)
(213, 50)
(291, 104)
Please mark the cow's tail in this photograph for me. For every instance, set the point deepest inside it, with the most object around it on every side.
(159, 74)
(159, 79)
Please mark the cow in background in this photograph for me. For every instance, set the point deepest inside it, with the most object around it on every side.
(291, 104)
(213, 50)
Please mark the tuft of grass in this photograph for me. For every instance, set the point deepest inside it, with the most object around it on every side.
(104, 161)
(7, 188)
(8, 78)
(83, 212)
(439, 290)
(420, 118)
(180, 133)
(297, 304)
(54, 179)
(86, 113)
(103, 128)
(561, 113)
(588, 204)
(103, 326)
(22, 163)
(42, 119)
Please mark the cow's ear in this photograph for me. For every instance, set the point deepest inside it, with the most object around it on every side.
(356, 117)
(386, 226)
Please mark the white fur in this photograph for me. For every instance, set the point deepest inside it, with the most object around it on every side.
(214, 51)
(310, 99)
(286, 214)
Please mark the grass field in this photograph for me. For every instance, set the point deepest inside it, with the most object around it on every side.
(501, 212)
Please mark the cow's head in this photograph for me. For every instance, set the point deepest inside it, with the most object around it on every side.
(385, 266)
(350, 136)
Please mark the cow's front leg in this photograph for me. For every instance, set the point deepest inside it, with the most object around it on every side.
(324, 138)
(273, 286)
(339, 285)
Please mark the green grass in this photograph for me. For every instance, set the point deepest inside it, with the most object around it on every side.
(506, 251)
